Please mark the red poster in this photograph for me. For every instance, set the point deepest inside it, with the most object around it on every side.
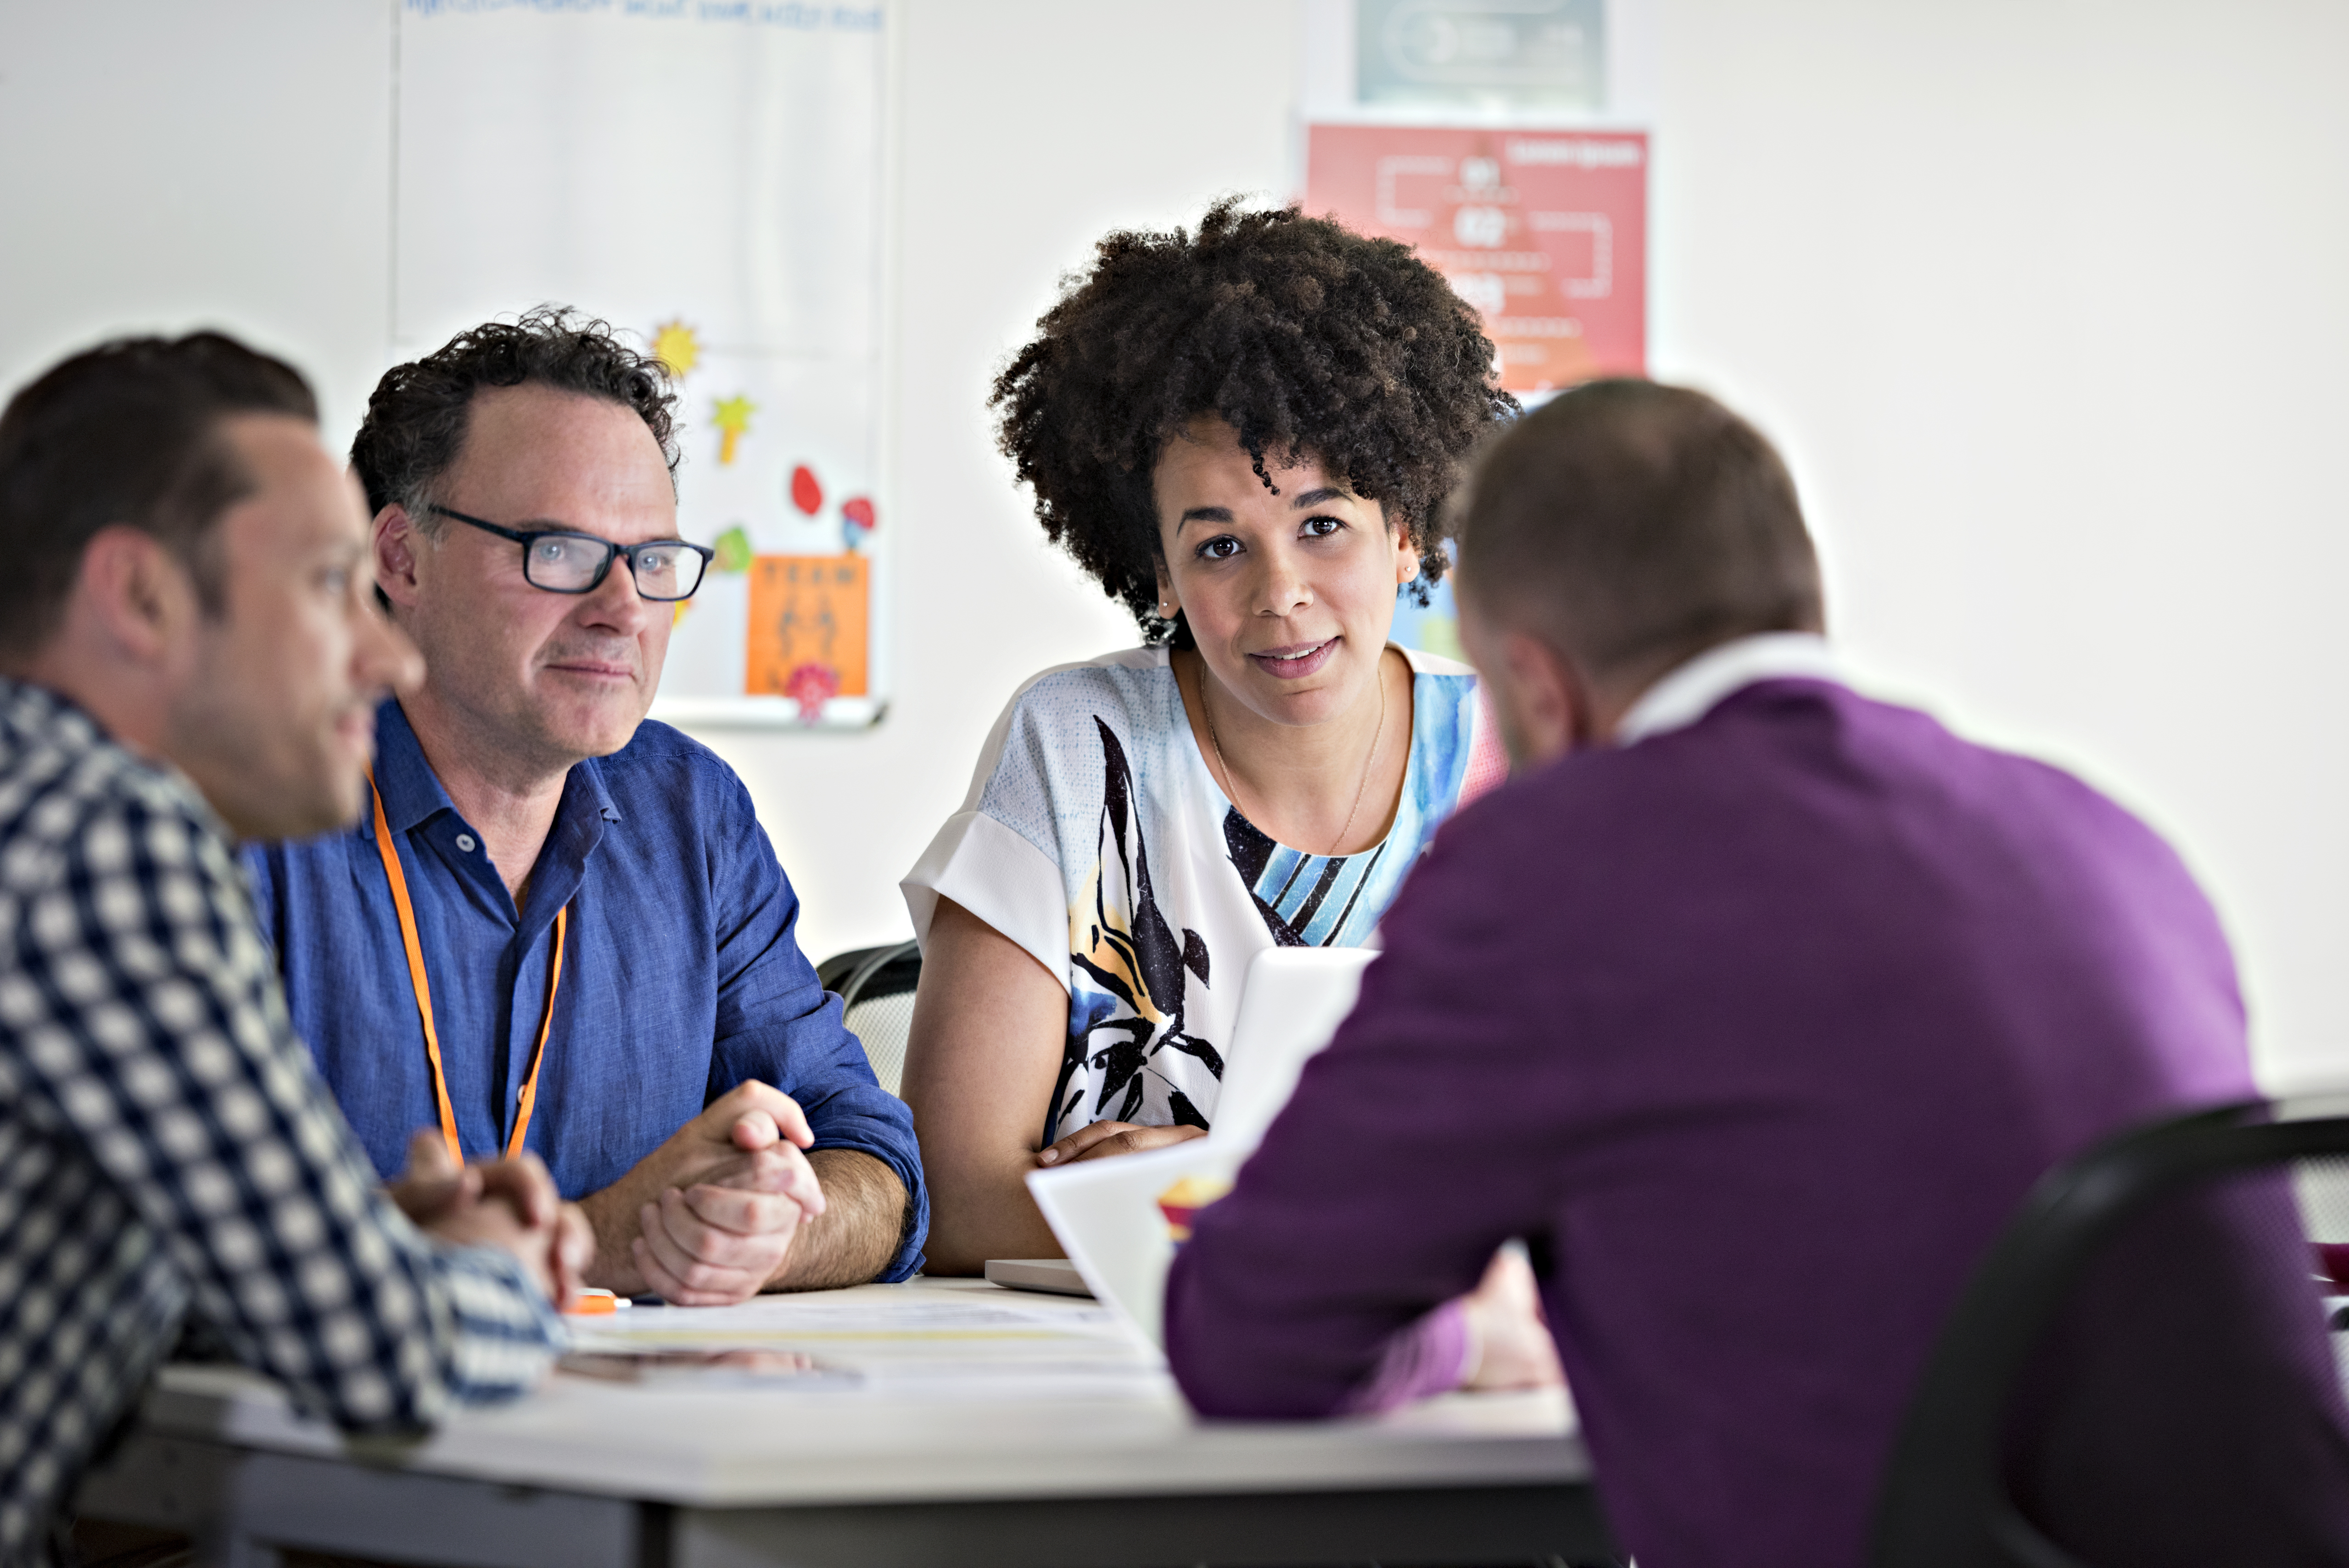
(1543, 232)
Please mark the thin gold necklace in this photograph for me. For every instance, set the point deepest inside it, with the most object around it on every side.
(1379, 673)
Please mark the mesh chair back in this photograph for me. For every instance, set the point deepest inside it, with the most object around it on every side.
(876, 986)
(2140, 1369)
(2322, 1189)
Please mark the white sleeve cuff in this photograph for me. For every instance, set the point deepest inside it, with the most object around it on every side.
(1000, 878)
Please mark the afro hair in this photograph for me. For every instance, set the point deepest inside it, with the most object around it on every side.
(1309, 340)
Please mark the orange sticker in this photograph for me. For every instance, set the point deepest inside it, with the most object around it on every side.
(808, 618)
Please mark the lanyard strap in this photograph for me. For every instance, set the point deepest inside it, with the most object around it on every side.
(422, 985)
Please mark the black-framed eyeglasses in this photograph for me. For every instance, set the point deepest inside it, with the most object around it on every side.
(562, 562)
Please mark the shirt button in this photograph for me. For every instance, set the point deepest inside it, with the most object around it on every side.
(465, 842)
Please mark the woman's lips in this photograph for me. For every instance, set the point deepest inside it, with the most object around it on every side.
(1294, 664)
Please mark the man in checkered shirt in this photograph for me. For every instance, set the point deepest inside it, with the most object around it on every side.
(187, 656)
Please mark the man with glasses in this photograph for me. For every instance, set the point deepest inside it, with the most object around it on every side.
(558, 926)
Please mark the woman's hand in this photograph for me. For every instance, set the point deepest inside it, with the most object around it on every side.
(1104, 1139)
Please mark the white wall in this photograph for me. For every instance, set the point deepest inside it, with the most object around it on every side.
(2044, 303)
(165, 166)
(2047, 305)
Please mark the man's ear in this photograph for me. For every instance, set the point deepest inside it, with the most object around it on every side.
(394, 554)
(138, 592)
(1553, 713)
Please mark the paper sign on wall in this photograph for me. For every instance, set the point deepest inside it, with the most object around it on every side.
(806, 638)
(1543, 232)
(707, 179)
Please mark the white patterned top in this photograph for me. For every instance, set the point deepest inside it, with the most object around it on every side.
(1096, 837)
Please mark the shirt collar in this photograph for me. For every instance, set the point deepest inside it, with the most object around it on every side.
(48, 714)
(412, 792)
(1697, 687)
(41, 710)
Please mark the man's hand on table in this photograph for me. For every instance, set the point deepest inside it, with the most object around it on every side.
(709, 1218)
(1509, 1335)
(511, 1204)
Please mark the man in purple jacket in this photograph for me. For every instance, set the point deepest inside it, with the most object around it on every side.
(1755, 1007)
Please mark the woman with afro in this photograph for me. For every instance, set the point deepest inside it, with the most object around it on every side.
(1246, 434)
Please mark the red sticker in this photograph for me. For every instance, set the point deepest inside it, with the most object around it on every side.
(806, 493)
(812, 686)
(858, 511)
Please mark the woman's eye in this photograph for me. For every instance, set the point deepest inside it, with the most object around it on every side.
(1321, 527)
(1221, 548)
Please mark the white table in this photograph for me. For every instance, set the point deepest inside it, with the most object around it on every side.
(946, 1422)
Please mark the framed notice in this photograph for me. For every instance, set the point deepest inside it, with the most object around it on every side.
(1543, 232)
(709, 178)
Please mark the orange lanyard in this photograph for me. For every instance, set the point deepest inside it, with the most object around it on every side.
(423, 988)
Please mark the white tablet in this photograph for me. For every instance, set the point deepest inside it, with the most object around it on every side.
(1119, 1220)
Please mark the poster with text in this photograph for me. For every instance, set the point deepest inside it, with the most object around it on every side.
(707, 178)
(1543, 232)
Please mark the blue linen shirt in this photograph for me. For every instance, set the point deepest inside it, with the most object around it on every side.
(682, 974)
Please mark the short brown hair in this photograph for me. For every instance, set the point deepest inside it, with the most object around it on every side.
(1634, 525)
(127, 432)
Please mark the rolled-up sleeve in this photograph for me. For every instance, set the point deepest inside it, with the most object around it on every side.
(777, 1023)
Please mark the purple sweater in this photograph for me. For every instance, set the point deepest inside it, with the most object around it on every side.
(1758, 1030)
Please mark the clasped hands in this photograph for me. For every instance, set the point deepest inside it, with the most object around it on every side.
(708, 1218)
(509, 1204)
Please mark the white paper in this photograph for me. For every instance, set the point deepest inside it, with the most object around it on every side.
(863, 1339)
(1104, 1212)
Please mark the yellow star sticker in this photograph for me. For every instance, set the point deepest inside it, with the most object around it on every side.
(675, 346)
(732, 419)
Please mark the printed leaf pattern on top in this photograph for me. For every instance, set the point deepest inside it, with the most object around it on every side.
(1127, 1007)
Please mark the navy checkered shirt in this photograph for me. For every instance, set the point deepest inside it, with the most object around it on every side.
(166, 1145)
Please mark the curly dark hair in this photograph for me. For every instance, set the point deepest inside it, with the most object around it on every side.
(417, 415)
(1309, 339)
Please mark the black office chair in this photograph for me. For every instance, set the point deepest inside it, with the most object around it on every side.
(1983, 1427)
(876, 986)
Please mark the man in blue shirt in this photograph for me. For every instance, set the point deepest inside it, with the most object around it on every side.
(581, 903)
